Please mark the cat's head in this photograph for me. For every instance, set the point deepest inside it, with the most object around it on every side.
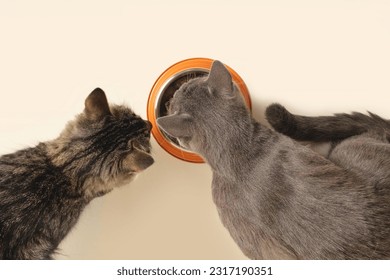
(205, 109)
(105, 146)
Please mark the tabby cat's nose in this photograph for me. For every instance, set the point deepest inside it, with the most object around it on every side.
(149, 125)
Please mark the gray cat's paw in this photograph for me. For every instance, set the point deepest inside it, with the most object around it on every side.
(280, 119)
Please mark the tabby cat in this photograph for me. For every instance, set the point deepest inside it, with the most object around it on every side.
(44, 189)
(278, 198)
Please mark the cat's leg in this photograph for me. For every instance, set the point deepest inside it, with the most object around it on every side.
(324, 128)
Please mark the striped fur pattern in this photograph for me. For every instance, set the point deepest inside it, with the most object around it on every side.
(44, 189)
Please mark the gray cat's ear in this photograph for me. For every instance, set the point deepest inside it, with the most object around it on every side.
(96, 105)
(219, 78)
(176, 125)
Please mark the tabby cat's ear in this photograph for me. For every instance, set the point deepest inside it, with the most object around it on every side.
(176, 125)
(96, 105)
(219, 79)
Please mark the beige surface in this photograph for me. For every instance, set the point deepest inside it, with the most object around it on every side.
(315, 57)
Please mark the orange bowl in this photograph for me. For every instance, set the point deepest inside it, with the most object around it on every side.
(163, 89)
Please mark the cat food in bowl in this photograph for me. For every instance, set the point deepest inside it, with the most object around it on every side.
(163, 90)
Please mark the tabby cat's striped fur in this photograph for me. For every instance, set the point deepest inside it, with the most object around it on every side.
(44, 189)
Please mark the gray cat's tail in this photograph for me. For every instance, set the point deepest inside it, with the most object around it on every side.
(324, 128)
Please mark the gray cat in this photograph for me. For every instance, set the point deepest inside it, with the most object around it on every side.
(278, 198)
(44, 189)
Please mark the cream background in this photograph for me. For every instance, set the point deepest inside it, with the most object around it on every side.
(315, 57)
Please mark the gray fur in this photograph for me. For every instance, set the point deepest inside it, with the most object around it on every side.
(44, 189)
(278, 198)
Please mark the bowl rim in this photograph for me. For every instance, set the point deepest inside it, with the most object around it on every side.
(165, 79)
